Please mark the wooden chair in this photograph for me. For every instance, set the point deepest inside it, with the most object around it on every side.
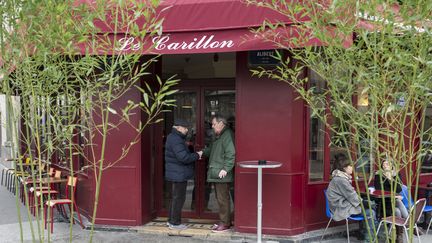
(416, 211)
(70, 190)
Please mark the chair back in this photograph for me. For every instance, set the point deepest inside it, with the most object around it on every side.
(71, 186)
(42, 167)
(416, 211)
(407, 200)
(57, 174)
(72, 181)
(328, 212)
(51, 171)
(419, 207)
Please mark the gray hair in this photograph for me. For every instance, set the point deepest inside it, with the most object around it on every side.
(220, 118)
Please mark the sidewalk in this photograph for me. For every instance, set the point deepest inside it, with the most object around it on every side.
(151, 232)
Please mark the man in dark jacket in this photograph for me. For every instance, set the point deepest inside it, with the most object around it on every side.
(221, 154)
(179, 168)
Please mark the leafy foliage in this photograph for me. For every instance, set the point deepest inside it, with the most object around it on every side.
(376, 59)
(67, 99)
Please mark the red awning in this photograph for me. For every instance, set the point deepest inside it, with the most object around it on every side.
(198, 26)
(377, 21)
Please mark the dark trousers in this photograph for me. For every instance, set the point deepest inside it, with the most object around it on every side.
(178, 196)
(223, 198)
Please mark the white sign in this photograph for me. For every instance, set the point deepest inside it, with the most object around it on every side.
(164, 42)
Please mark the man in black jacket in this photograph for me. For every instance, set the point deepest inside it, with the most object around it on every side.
(179, 168)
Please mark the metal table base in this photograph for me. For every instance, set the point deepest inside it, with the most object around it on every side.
(255, 165)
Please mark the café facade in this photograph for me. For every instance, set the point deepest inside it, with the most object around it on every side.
(204, 44)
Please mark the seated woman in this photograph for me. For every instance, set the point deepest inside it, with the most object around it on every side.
(387, 179)
(343, 199)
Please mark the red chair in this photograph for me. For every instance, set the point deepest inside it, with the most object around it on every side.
(43, 191)
(29, 181)
(70, 187)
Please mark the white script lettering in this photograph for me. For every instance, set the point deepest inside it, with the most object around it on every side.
(205, 42)
(128, 43)
(164, 43)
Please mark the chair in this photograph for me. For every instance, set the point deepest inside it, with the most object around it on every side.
(13, 174)
(415, 211)
(70, 188)
(408, 202)
(330, 215)
(43, 191)
(28, 180)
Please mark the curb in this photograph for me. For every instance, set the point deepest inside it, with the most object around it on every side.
(203, 232)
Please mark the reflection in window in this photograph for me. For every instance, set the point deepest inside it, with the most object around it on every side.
(218, 102)
(426, 158)
(316, 133)
(337, 143)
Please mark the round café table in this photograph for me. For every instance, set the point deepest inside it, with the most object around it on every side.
(253, 164)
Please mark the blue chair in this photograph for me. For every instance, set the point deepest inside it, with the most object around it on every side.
(330, 215)
(409, 202)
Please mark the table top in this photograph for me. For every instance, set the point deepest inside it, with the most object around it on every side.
(425, 187)
(378, 194)
(254, 164)
(51, 180)
(24, 164)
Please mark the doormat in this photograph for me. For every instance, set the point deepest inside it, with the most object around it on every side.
(189, 225)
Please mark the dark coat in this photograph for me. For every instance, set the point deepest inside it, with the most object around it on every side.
(386, 186)
(221, 154)
(179, 162)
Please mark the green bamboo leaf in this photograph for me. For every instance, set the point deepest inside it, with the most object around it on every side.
(112, 110)
(146, 99)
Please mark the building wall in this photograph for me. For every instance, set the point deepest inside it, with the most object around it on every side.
(120, 195)
(5, 145)
(270, 126)
(3, 119)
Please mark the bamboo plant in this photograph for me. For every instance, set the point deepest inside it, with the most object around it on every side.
(376, 59)
(66, 97)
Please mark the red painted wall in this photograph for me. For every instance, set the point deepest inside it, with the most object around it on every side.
(270, 126)
(120, 196)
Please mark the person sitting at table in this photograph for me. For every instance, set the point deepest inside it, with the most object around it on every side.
(344, 200)
(387, 179)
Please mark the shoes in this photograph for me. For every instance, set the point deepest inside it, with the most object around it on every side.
(221, 228)
(177, 226)
(215, 226)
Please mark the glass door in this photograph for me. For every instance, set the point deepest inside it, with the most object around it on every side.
(186, 108)
(216, 102)
(196, 105)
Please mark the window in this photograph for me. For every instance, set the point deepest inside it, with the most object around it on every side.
(324, 144)
(317, 133)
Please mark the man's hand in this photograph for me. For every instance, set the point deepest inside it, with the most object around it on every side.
(399, 197)
(222, 174)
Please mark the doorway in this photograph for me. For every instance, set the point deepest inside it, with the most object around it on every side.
(197, 101)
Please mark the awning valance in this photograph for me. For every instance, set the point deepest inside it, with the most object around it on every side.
(198, 26)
